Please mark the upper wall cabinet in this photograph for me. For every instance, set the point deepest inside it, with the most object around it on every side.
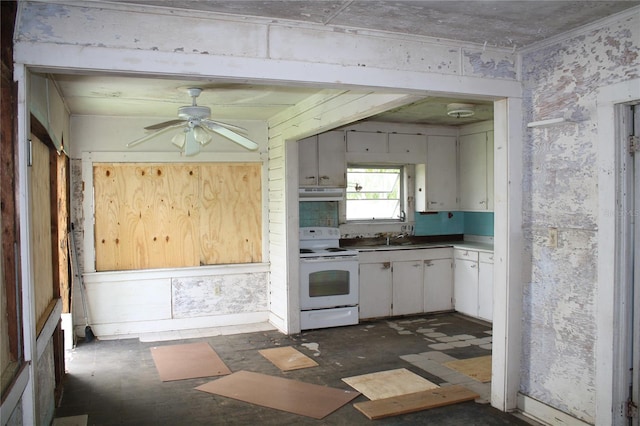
(386, 147)
(476, 171)
(410, 145)
(367, 142)
(436, 181)
(321, 160)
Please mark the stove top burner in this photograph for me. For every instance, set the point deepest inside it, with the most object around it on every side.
(304, 250)
(335, 249)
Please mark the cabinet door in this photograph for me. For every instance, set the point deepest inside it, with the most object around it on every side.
(490, 170)
(407, 287)
(485, 291)
(331, 159)
(438, 285)
(441, 173)
(414, 146)
(367, 142)
(473, 171)
(465, 287)
(308, 161)
(375, 290)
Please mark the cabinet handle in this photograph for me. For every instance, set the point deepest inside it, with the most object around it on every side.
(433, 202)
(483, 202)
(428, 263)
(386, 265)
(310, 177)
(474, 265)
(324, 177)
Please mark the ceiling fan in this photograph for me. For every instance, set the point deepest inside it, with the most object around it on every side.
(197, 128)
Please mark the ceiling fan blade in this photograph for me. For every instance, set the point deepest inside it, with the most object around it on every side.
(164, 124)
(228, 126)
(152, 135)
(239, 139)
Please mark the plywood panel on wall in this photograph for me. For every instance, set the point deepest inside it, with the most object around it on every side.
(174, 215)
(41, 245)
(231, 217)
(146, 216)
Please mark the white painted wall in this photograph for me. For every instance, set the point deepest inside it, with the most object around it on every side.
(562, 292)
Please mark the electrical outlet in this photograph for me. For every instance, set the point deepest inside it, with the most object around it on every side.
(553, 238)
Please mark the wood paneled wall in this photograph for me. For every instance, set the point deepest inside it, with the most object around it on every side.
(176, 215)
(41, 241)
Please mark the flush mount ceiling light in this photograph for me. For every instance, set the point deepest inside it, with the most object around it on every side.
(460, 110)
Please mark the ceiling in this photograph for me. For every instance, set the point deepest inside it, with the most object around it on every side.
(498, 23)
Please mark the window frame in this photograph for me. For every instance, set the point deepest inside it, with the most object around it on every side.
(402, 169)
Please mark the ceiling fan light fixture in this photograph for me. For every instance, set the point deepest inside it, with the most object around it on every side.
(191, 145)
(459, 110)
(201, 135)
(179, 139)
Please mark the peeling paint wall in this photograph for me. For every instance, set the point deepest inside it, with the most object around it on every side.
(230, 294)
(560, 179)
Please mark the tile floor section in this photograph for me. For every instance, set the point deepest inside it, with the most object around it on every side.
(115, 382)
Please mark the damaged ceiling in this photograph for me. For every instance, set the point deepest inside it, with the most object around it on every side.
(505, 24)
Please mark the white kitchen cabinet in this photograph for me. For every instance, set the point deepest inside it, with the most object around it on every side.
(406, 144)
(375, 289)
(465, 289)
(367, 142)
(473, 283)
(404, 282)
(407, 284)
(436, 180)
(473, 171)
(321, 160)
(485, 286)
(438, 285)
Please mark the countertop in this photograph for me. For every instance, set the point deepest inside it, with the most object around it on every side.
(467, 245)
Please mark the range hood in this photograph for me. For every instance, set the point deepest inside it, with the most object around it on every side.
(321, 194)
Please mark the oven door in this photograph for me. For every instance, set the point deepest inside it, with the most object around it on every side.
(328, 282)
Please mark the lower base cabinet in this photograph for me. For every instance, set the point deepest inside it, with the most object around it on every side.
(473, 283)
(485, 286)
(375, 289)
(438, 285)
(404, 282)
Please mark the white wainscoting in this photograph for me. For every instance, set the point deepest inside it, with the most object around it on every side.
(125, 303)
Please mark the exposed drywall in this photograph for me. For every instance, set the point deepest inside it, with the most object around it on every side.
(560, 179)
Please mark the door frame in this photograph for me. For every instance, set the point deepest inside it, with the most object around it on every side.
(612, 264)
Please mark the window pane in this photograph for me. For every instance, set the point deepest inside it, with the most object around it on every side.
(373, 193)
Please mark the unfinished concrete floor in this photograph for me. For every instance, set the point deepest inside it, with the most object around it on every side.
(115, 382)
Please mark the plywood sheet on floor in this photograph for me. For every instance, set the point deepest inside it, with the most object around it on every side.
(288, 358)
(282, 394)
(188, 361)
(418, 401)
(80, 420)
(477, 368)
(386, 384)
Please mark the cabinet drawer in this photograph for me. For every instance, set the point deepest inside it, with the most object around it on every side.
(437, 253)
(486, 257)
(465, 254)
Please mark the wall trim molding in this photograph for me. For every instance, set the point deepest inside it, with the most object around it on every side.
(546, 414)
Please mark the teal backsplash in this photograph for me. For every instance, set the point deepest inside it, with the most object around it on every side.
(448, 223)
(319, 213)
